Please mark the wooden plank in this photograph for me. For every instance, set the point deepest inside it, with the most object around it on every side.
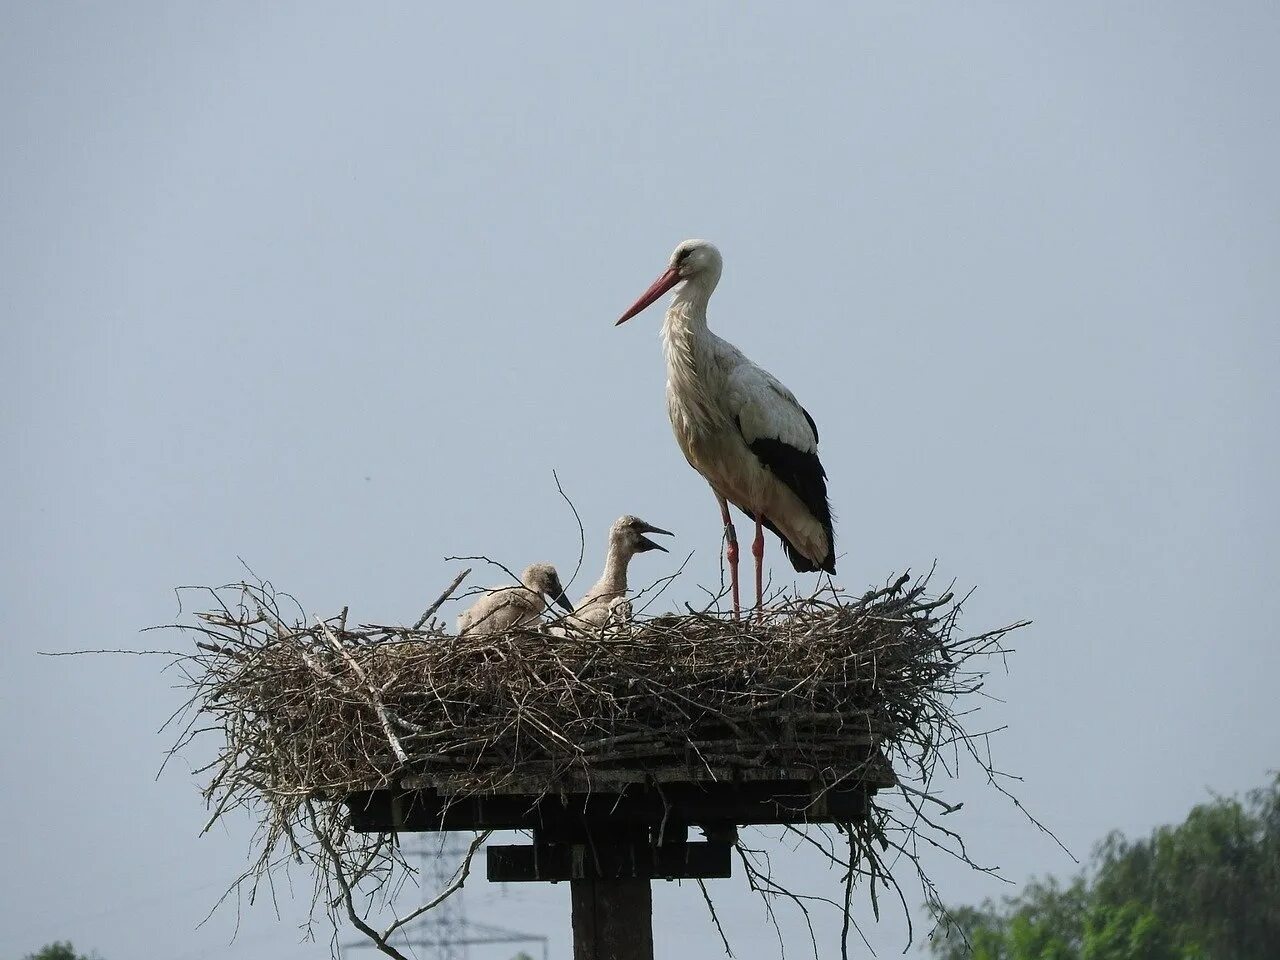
(873, 770)
(741, 804)
(880, 775)
(526, 863)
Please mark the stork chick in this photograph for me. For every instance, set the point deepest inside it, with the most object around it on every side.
(608, 596)
(502, 608)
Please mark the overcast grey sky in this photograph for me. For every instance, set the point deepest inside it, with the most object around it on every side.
(331, 288)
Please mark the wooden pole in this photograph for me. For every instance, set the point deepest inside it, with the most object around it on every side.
(612, 919)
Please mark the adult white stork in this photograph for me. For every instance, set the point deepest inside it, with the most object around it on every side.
(739, 427)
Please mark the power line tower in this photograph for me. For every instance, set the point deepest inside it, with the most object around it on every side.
(444, 933)
(443, 930)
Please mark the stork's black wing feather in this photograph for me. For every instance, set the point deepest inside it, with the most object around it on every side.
(812, 426)
(804, 475)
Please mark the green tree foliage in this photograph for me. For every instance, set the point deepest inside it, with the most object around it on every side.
(1207, 889)
(57, 951)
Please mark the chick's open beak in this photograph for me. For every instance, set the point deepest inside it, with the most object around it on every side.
(646, 543)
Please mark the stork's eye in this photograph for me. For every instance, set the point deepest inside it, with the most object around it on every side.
(683, 255)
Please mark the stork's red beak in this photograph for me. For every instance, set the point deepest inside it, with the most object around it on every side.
(660, 286)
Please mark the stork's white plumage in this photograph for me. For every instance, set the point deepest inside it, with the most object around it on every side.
(505, 607)
(738, 426)
(607, 599)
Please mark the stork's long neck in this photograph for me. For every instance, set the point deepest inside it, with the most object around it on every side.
(613, 582)
(686, 342)
(614, 578)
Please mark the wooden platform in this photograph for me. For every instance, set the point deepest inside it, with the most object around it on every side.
(633, 805)
(626, 830)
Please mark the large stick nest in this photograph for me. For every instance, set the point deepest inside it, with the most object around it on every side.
(824, 688)
(320, 708)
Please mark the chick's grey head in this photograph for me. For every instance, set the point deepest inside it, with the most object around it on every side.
(628, 533)
(542, 578)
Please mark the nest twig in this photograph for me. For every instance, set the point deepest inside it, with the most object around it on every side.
(304, 712)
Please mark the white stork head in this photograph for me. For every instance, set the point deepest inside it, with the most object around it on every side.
(694, 262)
(542, 578)
(696, 258)
(628, 535)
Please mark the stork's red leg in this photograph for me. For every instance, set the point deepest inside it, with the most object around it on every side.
(757, 551)
(730, 552)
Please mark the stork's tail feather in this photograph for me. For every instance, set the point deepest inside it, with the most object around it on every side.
(804, 565)
(799, 561)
